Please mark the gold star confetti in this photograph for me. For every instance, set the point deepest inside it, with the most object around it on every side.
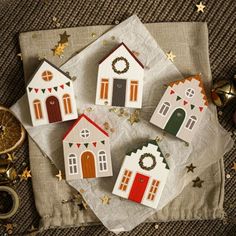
(197, 182)
(58, 50)
(32, 231)
(9, 228)
(20, 56)
(105, 200)
(25, 175)
(170, 56)
(10, 157)
(59, 175)
(156, 226)
(190, 168)
(200, 7)
(64, 38)
(134, 117)
(234, 166)
(56, 22)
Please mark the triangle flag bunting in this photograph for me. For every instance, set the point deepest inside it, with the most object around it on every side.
(201, 108)
(70, 144)
(43, 90)
(30, 89)
(192, 106)
(185, 102)
(94, 144)
(55, 88)
(86, 145)
(62, 86)
(36, 90)
(68, 84)
(50, 90)
(78, 145)
(172, 91)
(103, 141)
(178, 98)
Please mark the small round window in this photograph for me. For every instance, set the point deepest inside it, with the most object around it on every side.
(84, 133)
(47, 75)
(189, 92)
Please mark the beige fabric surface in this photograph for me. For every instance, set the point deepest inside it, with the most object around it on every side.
(187, 40)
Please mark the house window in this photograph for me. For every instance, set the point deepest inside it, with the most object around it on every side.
(153, 190)
(84, 133)
(47, 75)
(102, 160)
(189, 92)
(164, 108)
(38, 109)
(125, 180)
(133, 91)
(72, 163)
(67, 103)
(104, 89)
(191, 122)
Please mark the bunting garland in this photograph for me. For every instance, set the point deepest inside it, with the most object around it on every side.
(184, 101)
(86, 145)
(43, 90)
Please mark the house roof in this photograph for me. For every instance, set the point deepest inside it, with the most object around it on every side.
(45, 60)
(131, 53)
(146, 144)
(196, 77)
(89, 120)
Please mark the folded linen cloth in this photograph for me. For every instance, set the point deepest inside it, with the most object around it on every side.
(191, 37)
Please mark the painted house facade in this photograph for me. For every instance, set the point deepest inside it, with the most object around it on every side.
(143, 175)
(51, 95)
(120, 79)
(181, 108)
(86, 150)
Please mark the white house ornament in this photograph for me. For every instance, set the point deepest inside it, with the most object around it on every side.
(181, 108)
(143, 175)
(86, 150)
(51, 95)
(120, 79)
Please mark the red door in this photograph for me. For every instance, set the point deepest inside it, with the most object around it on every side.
(53, 109)
(138, 188)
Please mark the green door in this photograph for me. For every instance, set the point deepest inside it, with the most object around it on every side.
(176, 120)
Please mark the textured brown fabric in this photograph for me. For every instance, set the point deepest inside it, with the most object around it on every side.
(26, 15)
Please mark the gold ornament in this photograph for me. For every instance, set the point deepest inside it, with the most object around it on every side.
(223, 92)
(105, 200)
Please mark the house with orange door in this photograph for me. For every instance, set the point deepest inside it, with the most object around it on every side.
(120, 79)
(50, 95)
(143, 175)
(86, 150)
(182, 108)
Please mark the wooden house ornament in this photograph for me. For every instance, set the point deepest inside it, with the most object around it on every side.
(120, 79)
(51, 95)
(86, 150)
(181, 108)
(143, 175)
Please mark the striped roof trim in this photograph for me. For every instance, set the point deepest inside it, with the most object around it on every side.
(196, 77)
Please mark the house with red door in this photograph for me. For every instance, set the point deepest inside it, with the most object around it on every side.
(120, 79)
(143, 175)
(181, 108)
(86, 150)
(51, 95)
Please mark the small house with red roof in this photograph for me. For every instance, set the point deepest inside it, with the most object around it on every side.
(120, 79)
(86, 150)
(181, 108)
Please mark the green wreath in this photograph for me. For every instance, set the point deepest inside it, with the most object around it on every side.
(141, 164)
(117, 60)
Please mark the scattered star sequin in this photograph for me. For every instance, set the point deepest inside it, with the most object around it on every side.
(190, 168)
(170, 56)
(25, 174)
(234, 166)
(105, 200)
(134, 117)
(197, 182)
(200, 7)
(228, 176)
(59, 175)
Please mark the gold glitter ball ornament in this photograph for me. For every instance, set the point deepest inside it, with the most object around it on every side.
(223, 92)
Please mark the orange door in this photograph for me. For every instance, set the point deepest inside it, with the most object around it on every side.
(88, 165)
